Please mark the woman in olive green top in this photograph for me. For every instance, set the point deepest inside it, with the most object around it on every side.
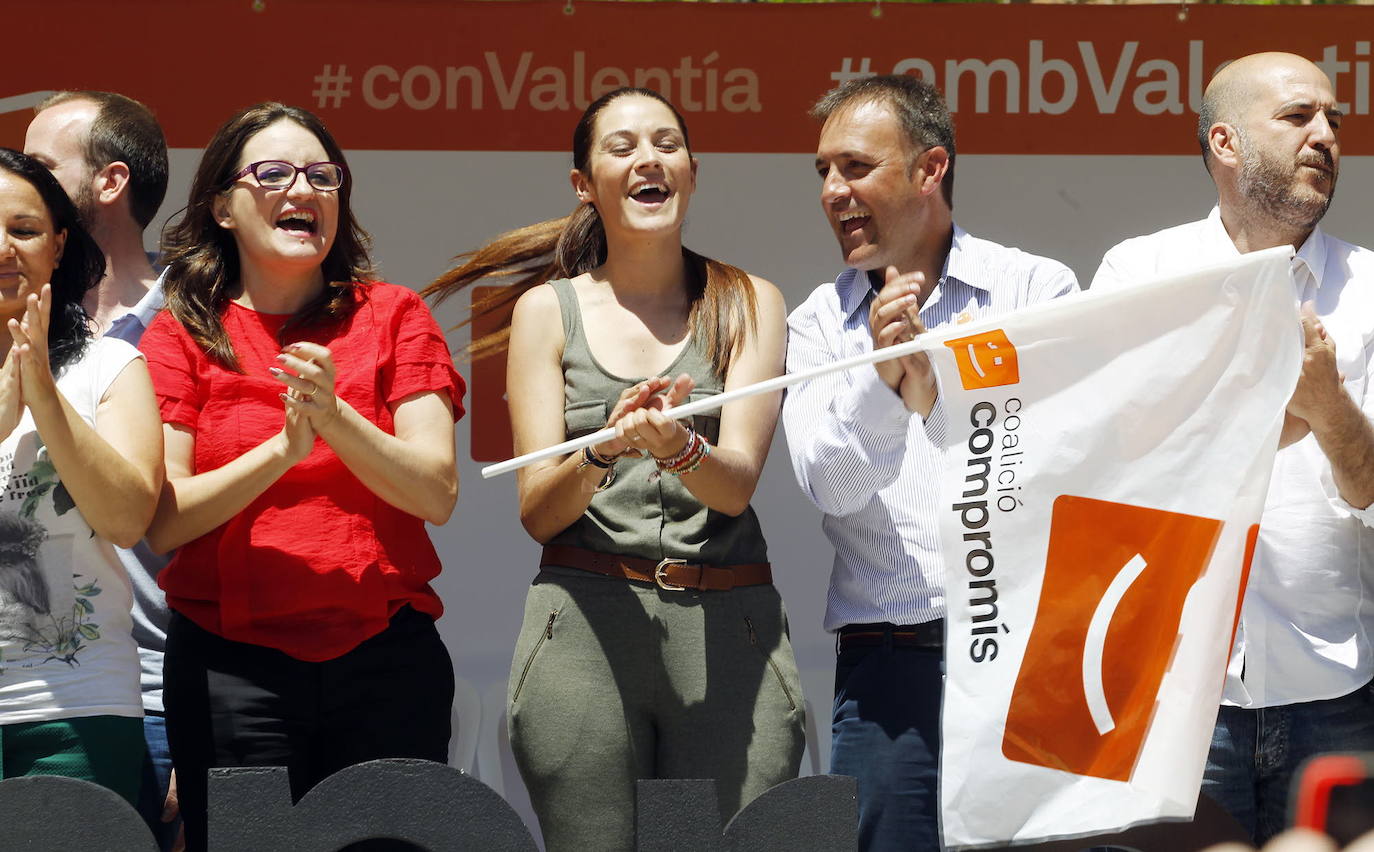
(654, 643)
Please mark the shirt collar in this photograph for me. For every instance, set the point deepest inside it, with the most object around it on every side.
(130, 326)
(1311, 253)
(151, 302)
(962, 264)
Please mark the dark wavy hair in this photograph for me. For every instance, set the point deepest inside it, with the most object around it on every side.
(722, 296)
(203, 260)
(81, 267)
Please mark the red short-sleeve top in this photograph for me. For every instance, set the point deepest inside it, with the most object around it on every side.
(317, 563)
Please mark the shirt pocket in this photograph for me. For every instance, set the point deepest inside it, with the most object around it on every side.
(584, 417)
(706, 424)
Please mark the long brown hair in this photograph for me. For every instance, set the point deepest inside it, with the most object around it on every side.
(723, 310)
(203, 260)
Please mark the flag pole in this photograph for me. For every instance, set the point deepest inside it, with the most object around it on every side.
(925, 343)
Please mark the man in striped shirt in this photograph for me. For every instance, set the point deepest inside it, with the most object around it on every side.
(886, 163)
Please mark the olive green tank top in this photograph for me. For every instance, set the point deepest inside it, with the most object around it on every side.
(635, 516)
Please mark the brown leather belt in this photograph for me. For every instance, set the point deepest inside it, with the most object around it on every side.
(929, 635)
(672, 575)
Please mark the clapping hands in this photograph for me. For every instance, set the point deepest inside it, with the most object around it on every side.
(307, 370)
(25, 376)
(639, 422)
(895, 317)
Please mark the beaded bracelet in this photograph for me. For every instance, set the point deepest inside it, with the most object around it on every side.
(676, 459)
(695, 462)
(688, 459)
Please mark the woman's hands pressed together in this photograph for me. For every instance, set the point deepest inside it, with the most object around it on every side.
(639, 421)
(311, 382)
(413, 469)
(29, 349)
(307, 370)
(26, 376)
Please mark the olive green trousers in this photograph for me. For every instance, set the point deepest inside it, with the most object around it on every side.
(614, 681)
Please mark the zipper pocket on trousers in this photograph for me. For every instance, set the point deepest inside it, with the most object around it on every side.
(543, 637)
(754, 640)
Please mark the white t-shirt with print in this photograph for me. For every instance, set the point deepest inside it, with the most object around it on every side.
(66, 641)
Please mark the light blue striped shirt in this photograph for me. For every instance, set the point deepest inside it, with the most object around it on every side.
(871, 467)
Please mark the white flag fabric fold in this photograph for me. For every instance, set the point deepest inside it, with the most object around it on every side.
(1106, 468)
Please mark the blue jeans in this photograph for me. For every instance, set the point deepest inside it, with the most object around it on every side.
(1256, 752)
(886, 733)
(157, 771)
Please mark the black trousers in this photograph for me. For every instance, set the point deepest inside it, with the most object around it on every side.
(235, 704)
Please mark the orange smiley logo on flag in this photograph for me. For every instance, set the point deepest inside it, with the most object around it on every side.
(1116, 579)
(986, 360)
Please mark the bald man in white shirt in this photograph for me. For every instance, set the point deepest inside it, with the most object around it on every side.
(1298, 679)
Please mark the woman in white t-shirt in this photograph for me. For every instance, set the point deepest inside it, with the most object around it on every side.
(80, 470)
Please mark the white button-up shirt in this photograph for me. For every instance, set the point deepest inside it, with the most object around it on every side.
(861, 457)
(1306, 622)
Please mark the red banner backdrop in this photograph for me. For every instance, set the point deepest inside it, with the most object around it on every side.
(417, 75)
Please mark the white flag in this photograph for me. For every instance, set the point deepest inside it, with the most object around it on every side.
(1108, 457)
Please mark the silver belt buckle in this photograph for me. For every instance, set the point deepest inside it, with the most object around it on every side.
(661, 572)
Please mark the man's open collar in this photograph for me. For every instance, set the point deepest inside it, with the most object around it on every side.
(961, 264)
(152, 301)
(1312, 252)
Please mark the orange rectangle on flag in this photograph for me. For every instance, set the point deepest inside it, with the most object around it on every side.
(1116, 579)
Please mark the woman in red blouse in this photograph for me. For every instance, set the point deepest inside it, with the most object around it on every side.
(308, 416)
